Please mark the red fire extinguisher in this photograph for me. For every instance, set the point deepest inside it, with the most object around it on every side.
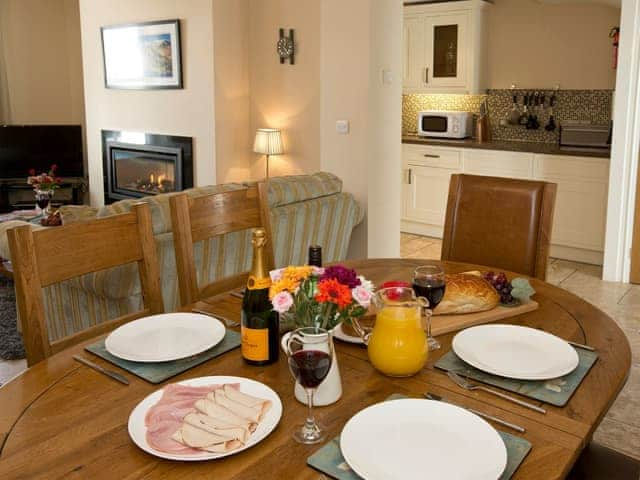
(615, 34)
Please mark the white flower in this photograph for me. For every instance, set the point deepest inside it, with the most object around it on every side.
(361, 295)
(282, 302)
(366, 284)
(276, 275)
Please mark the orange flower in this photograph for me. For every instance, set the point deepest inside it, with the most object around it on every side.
(296, 274)
(284, 284)
(331, 290)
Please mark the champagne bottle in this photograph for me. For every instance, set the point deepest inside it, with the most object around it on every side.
(315, 255)
(260, 323)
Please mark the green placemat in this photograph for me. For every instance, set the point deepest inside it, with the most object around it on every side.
(329, 459)
(159, 372)
(555, 392)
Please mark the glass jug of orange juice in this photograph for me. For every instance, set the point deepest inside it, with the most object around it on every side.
(397, 344)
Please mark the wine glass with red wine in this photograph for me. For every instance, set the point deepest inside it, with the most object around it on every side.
(310, 353)
(429, 282)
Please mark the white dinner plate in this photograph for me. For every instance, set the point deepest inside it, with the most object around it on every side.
(517, 352)
(416, 439)
(138, 430)
(340, 335)
(165, 337)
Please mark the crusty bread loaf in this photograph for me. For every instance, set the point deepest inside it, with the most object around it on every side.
(467, 293)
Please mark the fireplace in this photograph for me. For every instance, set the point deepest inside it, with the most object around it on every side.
(141, 164)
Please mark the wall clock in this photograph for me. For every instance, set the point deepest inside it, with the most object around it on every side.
(286, 47)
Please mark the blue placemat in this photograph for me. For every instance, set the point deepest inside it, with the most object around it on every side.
(329, 459)
(159, 372)
(555, 392)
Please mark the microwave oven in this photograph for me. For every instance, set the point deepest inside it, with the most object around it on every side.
(445, 124)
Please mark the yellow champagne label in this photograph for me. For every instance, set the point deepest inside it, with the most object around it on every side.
(255, 343)
(254, 283)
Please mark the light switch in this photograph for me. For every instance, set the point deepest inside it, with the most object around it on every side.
(387, 77)
(342, 126)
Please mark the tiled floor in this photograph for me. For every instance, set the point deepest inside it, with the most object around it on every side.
(621, 427)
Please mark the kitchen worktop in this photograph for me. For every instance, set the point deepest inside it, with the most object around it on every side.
(510, 146)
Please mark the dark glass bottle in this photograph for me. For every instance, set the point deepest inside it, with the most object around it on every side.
(260, 323)
(315, 255)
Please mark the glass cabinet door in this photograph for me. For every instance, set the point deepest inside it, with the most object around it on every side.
(447, 50)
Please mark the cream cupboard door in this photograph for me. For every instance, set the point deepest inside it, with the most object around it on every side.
(447, 45)
(581, 199)
(426, 193)
(413, 52)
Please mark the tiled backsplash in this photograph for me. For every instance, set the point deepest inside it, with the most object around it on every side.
(592, 106)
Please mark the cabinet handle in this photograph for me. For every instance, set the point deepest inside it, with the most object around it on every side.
(426, 74)
(430, 155)
(409, 177)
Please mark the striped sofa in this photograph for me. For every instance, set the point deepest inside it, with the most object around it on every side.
(305, 210)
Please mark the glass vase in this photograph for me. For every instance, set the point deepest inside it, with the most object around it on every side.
(43, 200)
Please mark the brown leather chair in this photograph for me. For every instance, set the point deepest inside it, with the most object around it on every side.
(501, 222)
(598, 462)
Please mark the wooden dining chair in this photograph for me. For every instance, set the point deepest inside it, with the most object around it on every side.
(45, 257)
(195, 219)
(502, 222)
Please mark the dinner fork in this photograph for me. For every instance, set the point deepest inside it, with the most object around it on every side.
(467, 385)
(227, 321)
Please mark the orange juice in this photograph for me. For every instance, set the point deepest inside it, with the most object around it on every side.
(398, 344)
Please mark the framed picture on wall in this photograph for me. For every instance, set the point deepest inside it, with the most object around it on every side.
(142, 55)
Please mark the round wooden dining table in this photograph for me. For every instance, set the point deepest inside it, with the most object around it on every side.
(62, 420)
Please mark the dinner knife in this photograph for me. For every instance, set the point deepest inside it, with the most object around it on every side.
(517, 428)
(109, 373)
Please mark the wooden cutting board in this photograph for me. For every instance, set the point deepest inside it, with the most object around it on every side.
(451, 323)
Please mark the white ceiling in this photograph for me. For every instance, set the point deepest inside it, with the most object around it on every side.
(609, 3)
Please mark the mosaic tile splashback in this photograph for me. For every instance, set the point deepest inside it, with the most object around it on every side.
(592, 106)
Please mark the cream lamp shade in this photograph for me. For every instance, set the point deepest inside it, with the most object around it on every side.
(268, 142)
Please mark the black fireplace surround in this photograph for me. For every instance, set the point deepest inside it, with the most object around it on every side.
(141, 164)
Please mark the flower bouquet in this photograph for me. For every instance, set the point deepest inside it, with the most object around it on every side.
(44, 181)
(321, 297)
(44, 186)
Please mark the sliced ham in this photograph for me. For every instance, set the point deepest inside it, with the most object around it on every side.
(212, 409)
(213, 425)
(215, 418)
(250, 413)
(198, 438)
(242, 398)
(159, 438)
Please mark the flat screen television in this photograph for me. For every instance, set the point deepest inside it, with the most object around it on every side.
(23, 147)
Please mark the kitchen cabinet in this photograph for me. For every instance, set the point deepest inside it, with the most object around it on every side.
(580, 213)
(581, 200)
(444, 47)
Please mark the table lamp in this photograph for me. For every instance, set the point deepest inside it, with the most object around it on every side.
(268, 142)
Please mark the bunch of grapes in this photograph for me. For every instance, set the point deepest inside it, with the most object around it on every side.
(501, 284)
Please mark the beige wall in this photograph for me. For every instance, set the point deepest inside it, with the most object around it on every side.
(286, 96)
(42, 62)
(541, 45)
(359, 39)
(231, 67)
(188, 111)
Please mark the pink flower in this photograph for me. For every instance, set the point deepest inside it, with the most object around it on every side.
(362, 296)
(282, 302)
(317, 271)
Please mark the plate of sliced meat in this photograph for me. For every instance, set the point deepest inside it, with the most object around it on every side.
(205, 418)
